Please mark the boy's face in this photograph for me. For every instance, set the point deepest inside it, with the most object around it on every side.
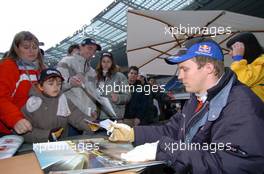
(51, 86)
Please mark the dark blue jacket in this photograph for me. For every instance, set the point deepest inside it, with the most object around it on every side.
(141, 106)
(235, 125)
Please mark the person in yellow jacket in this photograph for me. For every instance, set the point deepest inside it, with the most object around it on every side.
(248, 56)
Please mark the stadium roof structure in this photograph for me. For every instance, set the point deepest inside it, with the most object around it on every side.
(109, 27)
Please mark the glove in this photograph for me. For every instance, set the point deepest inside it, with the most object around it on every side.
(149, 150)
(238, 51)
(121, 132)
(55, 134)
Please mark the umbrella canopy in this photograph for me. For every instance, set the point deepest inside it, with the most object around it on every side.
(155, 35)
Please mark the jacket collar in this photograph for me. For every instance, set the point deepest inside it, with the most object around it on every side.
(226, 77)
(212, 92)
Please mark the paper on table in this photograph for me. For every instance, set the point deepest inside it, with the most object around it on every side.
(104, 102)
(49, 153)
(106, 124)
(85, 156)
(9, 145)
(91, 122)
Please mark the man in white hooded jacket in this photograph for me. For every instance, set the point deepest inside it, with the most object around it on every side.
(80, 76)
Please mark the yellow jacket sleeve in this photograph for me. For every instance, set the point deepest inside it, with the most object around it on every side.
(249, 74)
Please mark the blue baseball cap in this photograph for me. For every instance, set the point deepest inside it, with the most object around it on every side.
(89, 41)
(207, 48)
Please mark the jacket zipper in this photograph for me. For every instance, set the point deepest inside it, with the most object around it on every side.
(183, 129)
(184, 124)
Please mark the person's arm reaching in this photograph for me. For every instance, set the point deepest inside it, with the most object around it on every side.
(235, 144)
(79, 120)
(249, 74)
(145, 134)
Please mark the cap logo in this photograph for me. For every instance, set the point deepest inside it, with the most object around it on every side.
(52, 72)
(204, 49)
(107, 54)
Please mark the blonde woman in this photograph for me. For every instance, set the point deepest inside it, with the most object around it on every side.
(18, 71)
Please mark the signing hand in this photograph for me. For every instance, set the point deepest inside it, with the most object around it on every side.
(77, 80)
(121, 132)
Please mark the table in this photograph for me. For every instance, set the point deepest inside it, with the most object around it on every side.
(26, 161)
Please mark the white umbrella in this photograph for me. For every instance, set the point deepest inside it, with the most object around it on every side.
(155, 35)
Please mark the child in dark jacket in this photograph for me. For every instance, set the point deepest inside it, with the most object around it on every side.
(49, 111)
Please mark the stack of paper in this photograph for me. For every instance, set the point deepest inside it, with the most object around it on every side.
(9, 145)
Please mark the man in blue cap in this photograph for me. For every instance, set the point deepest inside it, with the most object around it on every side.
(220, 129)
(80, 76)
